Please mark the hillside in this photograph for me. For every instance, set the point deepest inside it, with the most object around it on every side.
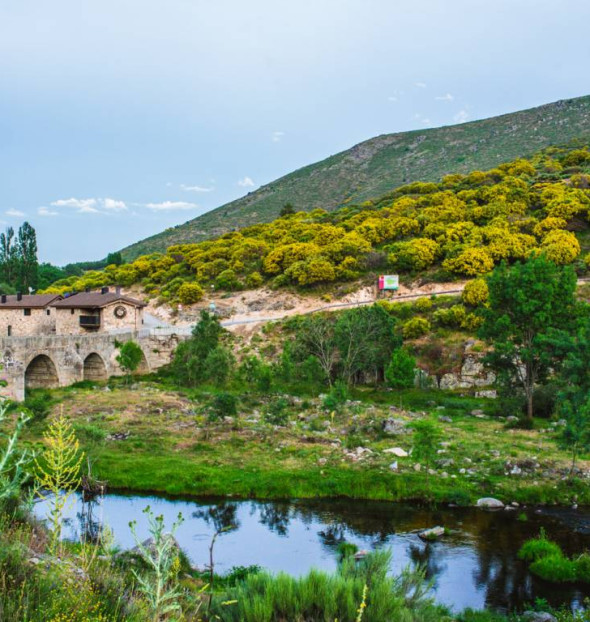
(458, 228)
(375, 166)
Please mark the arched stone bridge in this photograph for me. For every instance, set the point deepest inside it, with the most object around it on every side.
(51, 361)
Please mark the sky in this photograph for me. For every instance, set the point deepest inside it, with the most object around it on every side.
(120, 118)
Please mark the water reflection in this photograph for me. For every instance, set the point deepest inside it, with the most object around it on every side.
(474, 566)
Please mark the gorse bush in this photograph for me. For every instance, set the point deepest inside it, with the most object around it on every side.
(465, 225)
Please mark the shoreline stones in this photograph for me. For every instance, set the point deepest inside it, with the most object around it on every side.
(489, 503)
(433, 533)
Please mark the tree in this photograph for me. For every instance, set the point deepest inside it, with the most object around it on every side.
(287, 210)
(401, 371)
(189, 362)
(426, 440)
(576, 433)
(114, 259)
(531, 309)
(8, 257)
(189, 293)
(27, 258)
(129, 357)
(316, 336)
(365, 339)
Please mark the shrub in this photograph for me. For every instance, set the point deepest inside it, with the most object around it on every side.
(538, 548)
(189, 293)
(337, 396)
(416, 327)
(470, 262)
(223, 405)
(554, 568)
(401, 371)
(423, 304)
(38, 404)
(417, 254)
(277, 412)
(254, 280)
(475, 293)
(227, 280)
(560, 247)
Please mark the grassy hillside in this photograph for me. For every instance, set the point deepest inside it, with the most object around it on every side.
(460, 227)
(377, 165)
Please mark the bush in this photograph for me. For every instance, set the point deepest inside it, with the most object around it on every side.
(223, 405)
(554, 568)
(475, 293)
(538, 548)
(416, 327)
(254, 280)
(189, 293)
(38, 404)
(423, 304)
(277, 412)
(336, 397)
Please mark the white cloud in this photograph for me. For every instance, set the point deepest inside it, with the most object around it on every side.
(276, 136)
(420, 85)
(82, 205)
(113, 204)
(45, 211)
(196, 188)
(171, 205)
(246, 182)
(445, 98)
(461, 116)
(392, 98)
(14, 212)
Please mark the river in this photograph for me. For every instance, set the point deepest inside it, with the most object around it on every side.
(474, 566)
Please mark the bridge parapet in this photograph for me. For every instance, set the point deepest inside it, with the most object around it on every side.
(60, 360)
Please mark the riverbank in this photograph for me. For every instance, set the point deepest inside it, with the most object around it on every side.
(154, 439)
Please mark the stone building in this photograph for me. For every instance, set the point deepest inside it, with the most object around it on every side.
(25, 315)
(104, 311)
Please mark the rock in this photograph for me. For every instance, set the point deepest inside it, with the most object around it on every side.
(393, 466)
(477, 412)
(396, 451)
(489, 393)
(516, 470)
(431, 534)
(360, 555)
(445, 419)
(322, 461)
(511, 419)
(417, 467)
(489, 503)
(538, 616)
(394, 426)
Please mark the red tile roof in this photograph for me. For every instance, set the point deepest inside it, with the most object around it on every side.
(95, 300)
(29, 301)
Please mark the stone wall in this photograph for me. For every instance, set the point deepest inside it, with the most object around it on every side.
(70, 355)
(40, 322)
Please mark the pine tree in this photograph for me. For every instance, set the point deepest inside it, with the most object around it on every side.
(8, 257)
(27, 258)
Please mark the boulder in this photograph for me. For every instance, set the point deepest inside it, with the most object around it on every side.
(431, 534)
(396, 451)
(489, 503)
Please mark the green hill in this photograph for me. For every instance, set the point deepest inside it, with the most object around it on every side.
(375, 166)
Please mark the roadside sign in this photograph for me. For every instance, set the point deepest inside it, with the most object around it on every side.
(388, 281)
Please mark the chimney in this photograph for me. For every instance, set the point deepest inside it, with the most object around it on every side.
(3, 298)
(104, 290)
(19, 295)
(118, 290)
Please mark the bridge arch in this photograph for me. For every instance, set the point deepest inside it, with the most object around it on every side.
(41, 373)
(95, 368)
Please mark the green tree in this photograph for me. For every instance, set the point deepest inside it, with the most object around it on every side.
(366, 340)
(531, 309)
(189, 362)
(48, 274)
(401, 371)
(287, 210)
(27, 263)
(129, 357)
(8, 257)
(114, 259)
(218, 365)
(576, 434)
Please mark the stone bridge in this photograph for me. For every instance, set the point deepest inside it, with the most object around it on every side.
(49, 361)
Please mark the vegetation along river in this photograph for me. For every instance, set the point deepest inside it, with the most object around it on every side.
(474, 565)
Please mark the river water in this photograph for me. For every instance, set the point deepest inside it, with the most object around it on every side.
(474, 566)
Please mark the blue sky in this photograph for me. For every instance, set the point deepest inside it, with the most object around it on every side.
(119, 118)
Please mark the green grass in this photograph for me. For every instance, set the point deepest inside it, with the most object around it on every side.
(381, 164)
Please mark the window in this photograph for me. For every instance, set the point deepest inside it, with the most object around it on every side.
(72, 311)
(48, 311)
(10, 331)
(27, 312)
